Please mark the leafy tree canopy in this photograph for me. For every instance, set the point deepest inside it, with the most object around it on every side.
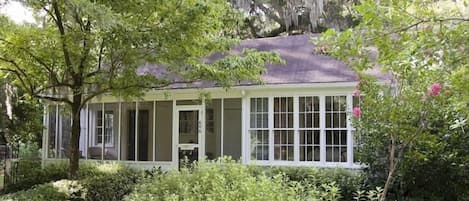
(412, 131)
(80, 49)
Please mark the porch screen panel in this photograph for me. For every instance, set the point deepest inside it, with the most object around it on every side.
(164, 128)
(110, 124)
(309, 128)
(283, 129)
(94, 149)
(52, 128)
(144, 141)
(65, 132)
(259, 128)
(336, 129)
(232, 128)
(213, 129)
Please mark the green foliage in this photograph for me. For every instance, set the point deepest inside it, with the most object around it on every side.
(37, 193)
(348, 181)
(109, 182)
(406, 129)
(106, 182)
(30, 173)
(82, 49)
(227, 180)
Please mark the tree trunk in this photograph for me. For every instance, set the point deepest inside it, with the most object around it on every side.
(75, 138)
(392, 169)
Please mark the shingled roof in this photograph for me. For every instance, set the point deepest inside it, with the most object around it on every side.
(301, 66)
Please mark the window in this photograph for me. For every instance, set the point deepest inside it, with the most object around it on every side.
(283, 128)
(309, 128)
(302, 129)
(336, 129)
(259, 129)
(108, 127)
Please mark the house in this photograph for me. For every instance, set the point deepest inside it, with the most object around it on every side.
(299, 117)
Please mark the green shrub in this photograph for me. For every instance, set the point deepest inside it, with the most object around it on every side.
(348, 181)
(30, 173)
(108, 182)
(59, 190)
(227, 181)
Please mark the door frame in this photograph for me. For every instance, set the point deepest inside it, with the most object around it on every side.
(201, 133)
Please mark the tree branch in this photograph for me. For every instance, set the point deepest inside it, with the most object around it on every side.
(60, 26)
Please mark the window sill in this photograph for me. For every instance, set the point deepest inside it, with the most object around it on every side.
(308, 164)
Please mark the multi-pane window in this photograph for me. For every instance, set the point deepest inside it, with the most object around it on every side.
(283, 128)
(106, 124)
(301, 129)
(259, 128)
(309, 128)
(336, 128)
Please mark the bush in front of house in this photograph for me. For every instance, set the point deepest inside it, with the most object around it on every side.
(227, 180)
(29, 173)
(109, 182)
(106, 182)
(58, 190)
(348, 181)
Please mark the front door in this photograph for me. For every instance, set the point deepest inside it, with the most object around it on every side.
(189, 134)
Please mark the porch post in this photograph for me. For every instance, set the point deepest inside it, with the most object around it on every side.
(136, 132)
(103, 126)
(87, 130)
(322, 125)
(154, 130)
(119, 131)
(296, 132)
(175, 137)
(244, 135)
(349, 131)
(45, 134)
(56, 131)
(222, 123)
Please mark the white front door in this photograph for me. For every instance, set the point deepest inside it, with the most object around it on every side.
(189, 142)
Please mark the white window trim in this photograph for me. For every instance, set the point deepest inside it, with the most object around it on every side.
(322, 127)
(94, 134)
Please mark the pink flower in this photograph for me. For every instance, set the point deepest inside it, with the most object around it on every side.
(434, 89)
(356, 93)
(356, 112)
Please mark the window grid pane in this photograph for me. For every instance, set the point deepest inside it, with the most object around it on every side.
(260, 145)
(309, 145)
(336, 146)
(283, 145)
(259, 113)
(108, 127)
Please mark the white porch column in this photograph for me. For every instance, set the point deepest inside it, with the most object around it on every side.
(87, 129)
(222, 124)
(136, 132)
(296, 132)
(119, 131)
(175, 134)
(57, 133)
(271, 127)
(322, 125)
(45, 134)
(103, 126)
(349, 131)
(154, 131)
